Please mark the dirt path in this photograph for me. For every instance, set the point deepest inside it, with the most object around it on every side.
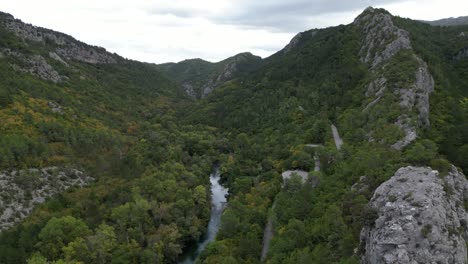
(336, 137)
(267, 236)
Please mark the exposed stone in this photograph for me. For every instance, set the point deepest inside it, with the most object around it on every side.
(382, 41)
(296, 40)
(69, 47)
(84, 53)
(56, 57)
(228, 73)
(421, 219)
(405, 124)
(22, 190)
(189, 89)
(56, 108)
(382, 38)
(36, 65)
(423, 87)
(361, 186)
(287, 174)
(462, 54)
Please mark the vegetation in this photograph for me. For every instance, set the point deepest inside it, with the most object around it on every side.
(151, 150)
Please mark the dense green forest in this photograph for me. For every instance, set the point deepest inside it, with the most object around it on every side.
(151, 148)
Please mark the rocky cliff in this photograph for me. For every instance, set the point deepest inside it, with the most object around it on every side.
(66, 46)
(382, 44)
(45, 47)
(22, 190)
(418, 216)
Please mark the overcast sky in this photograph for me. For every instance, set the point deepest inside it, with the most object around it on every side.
(172, 30)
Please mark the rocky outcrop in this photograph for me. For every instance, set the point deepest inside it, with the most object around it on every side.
(383, 39)
(417, 216)
(417, 95)
(36, 65)
(230, 70)
(31, 187)
(56, 57)
(381, 42)
(55, 107)
(68, 47)
(83, 53)
(462, 54)
(404, 123)
(304, 175)
(297, 39)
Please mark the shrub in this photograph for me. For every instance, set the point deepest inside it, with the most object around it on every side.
(442, 165)
(426, 230)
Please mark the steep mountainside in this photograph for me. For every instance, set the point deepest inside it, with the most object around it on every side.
(393, 89)
(389, 84)
(77, 118)
(199, 78)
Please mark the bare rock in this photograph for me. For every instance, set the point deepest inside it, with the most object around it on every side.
(288, 174)
(421, 219)
(405, 124)
(382, 38)
(189, 90)
(56, 57)
(84, 53)
(56, 108)
(462, 54)
(381, 42)
(296, 40)
(68, 47)
(22, 190)
(35, 65)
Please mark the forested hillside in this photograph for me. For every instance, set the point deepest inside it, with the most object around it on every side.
(199, 78)
(67, 105)
(395, 89)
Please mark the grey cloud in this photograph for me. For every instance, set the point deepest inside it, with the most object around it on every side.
(275, 15)
(292, 15)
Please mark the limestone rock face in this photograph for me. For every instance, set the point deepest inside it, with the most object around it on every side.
(421, 219)
(382, 40)
(68, 47)
(31, 187)
(462, 54)
(36, 65)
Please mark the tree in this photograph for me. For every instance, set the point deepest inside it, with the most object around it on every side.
(58, 232)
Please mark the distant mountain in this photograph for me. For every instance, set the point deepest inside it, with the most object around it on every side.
(452, 21)
(199, 78)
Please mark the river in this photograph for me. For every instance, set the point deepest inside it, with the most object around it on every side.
(218, 202)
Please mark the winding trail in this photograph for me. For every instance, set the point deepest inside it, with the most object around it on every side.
(267, 235)
(268, 232)
(336, 137)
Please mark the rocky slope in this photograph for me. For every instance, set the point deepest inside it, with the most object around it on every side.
(66, 46)
(421, 217)
(199, 78)
(382, 42)
(22, 190)
(49, 47)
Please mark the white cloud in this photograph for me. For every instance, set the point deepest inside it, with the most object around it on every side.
(161, 31)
